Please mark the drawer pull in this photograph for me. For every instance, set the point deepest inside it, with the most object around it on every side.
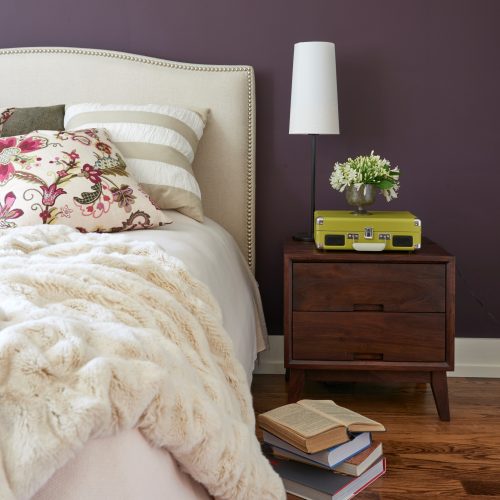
(368, 307)
(367, 356)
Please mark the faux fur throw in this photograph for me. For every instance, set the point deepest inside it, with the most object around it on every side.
(99, 335)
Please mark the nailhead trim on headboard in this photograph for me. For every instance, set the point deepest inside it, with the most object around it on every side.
(250, 215)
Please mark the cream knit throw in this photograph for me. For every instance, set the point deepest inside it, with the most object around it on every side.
(99, 335)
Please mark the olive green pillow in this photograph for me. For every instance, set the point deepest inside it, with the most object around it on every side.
(19, 121)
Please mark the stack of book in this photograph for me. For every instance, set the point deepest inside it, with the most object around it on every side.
(322, 450)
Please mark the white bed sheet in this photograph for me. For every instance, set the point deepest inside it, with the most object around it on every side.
(125, 466)
(211, 255)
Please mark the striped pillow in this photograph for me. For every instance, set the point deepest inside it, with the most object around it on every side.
(158, 143)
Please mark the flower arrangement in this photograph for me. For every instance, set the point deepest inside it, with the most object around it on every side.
(364, 170)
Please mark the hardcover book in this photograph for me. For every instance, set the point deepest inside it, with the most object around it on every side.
(328, 458)
(353, 466)
(315, 483)
(356, 465)
(314, 425)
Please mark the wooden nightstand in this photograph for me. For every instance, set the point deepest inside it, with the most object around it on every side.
(370, 316)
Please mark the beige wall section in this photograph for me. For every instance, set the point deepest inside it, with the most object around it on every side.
(225, 160)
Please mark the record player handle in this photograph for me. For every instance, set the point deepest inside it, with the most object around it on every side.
(369, 247)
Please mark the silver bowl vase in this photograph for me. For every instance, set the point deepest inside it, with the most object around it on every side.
(361, 197)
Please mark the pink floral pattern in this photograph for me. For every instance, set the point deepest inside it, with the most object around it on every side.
(6, 213)
(13, 149)
(50, 194)
(74, 178)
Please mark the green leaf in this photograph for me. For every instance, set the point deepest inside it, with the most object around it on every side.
(118, 167)
(29, 177)
(385, 184)
(116, 170)
(89, 198)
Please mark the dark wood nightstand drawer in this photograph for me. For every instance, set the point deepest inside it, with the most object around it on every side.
(369, 287)
(343, 336)
(358, 315)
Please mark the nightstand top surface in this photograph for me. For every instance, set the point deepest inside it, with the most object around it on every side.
(430, 251)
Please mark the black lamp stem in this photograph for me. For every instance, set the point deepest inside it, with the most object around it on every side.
(309, 236)
(314, 138)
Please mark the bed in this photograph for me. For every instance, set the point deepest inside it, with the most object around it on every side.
(218, 252)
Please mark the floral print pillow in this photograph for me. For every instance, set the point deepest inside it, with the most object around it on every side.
(74, 178)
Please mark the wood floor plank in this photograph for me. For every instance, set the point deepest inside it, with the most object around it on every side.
(426, 458)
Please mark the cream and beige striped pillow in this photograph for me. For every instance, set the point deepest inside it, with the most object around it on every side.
(158, 143)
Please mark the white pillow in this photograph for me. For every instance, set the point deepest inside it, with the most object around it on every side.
(158, 143)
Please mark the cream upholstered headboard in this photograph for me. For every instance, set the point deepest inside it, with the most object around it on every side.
(225, 160)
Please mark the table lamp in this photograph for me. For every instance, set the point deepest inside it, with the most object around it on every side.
(313, 106)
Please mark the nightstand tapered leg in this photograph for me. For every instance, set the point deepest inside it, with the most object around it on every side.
(439, 384)
(295, 384)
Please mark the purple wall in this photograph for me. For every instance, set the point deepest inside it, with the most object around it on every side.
(418, 82)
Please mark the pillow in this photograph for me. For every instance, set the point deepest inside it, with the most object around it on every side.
(78, 179)
(18, 121)
(158, 143)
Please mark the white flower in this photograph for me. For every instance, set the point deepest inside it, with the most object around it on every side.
(364, 170)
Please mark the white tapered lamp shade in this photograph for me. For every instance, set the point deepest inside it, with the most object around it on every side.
(313, 107)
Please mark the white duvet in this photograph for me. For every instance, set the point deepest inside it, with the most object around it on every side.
(99, 335)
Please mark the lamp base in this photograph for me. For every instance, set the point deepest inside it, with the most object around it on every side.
(303, 237)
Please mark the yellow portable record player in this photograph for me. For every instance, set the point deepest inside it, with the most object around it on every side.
(374, 231)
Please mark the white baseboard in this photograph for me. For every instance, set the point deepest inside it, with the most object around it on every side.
(473, 358)
(476, 358)
(271, 361)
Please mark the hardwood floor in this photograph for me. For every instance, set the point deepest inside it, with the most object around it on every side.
(426, 458)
